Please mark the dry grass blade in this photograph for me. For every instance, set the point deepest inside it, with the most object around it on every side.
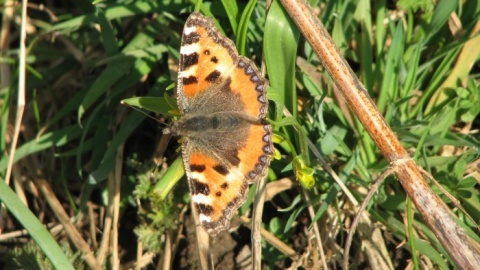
(383, 262)
(116, 207)
(318, 238)
(166, 261)
(464, 64)
(20, 98)
(257, 224)
(107, 228)
(274, 241)
(278, 186)
(64, 219)
(203, 242)
(464, 251)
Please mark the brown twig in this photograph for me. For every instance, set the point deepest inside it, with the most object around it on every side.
(463, 250)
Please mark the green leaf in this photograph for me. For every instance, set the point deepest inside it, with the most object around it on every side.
(440, 15)
(173, 174)
(55, 138)
(152, 104)
(280, 47)
(389, 90)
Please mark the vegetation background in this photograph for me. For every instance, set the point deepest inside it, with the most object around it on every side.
(85, 160)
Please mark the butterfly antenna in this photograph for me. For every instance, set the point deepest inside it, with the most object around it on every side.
(143, 112)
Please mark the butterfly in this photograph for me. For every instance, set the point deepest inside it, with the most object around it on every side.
(226, 140)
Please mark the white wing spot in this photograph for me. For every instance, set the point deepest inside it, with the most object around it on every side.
(198, 176)
(221, 68)
(201, 199)
(191, 71)
(188, 30)
(189, 49)
(204, 218)
(231, 177)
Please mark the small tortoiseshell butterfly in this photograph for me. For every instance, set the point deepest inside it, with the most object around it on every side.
(226, 140)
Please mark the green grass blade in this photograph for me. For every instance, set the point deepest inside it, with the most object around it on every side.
(242, 30)
(35, 228)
